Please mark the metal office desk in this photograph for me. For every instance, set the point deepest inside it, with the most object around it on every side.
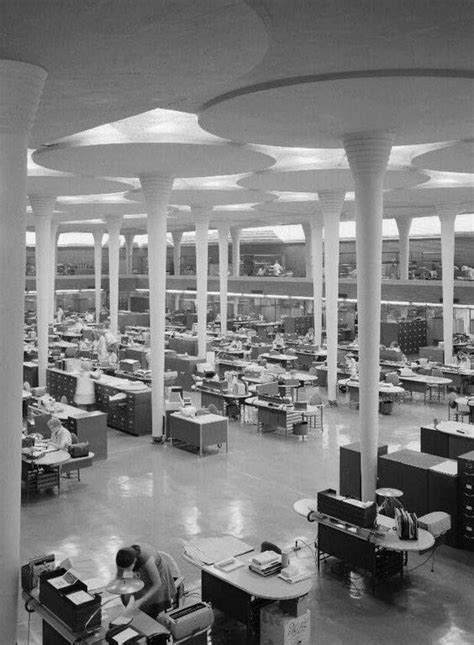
(283, 359)
(271, 417)
(241, 593)
(55, 632)
(469, 401)
(221, 399)
(201, 432)
(380, 553)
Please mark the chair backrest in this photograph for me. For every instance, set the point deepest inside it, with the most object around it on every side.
(315, 399)
(269, 546)
(170, 562)
(392, 377)
(63, 399)
(211, 409)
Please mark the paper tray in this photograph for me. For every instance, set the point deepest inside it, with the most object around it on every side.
(298, 578)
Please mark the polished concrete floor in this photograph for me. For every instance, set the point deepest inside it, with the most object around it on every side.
(165, 495)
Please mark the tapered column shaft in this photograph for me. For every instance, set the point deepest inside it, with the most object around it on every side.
(157, 192)
(447, 216)
(21, 85)
(129, 237)
(403, 225)
(317, 275)
(43, 208)
(52, 270)
(114, 224)
(368, 157)
(223, 230)
(201, 216)
(235, 232)
(307, 248)
(177, 238)
(331, 205)
(98, 235)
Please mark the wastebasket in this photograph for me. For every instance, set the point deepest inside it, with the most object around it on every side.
(386, 407)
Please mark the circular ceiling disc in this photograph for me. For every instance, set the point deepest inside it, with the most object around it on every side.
(307, 181)
(145, 159)
(430, 196)
(98, 209)
(456, 158)
(317, 112)
(54, 186)
(210, 197)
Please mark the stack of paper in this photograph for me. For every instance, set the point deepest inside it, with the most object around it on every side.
(266, 563)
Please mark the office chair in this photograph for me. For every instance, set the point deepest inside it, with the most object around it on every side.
(436, 388)
(269, 546)
(458, 412)
(392, 377)
(177, 577)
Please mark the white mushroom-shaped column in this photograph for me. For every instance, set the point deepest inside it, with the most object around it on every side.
(156, 164)
(21, 85)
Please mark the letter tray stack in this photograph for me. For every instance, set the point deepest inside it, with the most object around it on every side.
(347, 509)
(71, 603)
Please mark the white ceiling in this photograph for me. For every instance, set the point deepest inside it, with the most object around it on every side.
(141, 72)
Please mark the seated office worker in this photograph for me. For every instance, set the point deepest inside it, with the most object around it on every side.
(148, 565)
(60, 438)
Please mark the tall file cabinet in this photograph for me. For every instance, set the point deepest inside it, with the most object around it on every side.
(443, 495)
(466, 501)
(408, 471)
(60, 383)
(350, 470)
(131, 415)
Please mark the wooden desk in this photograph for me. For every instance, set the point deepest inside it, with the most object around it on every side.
(201, 432)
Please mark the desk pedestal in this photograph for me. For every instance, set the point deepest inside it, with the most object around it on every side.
(358, 553)
(235, 603)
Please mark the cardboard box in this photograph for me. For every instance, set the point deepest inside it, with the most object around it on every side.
(278, 628)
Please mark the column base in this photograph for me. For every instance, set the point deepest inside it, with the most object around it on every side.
(158, 440)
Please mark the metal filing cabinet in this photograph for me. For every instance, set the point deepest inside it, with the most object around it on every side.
(408, 471)
(443, 494)
(131, 415)
(349, 469)
(60, 383)
(466, 501)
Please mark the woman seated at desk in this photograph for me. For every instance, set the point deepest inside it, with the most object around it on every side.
(236, 344)
(308, 338)
(60, 438)
(278, 342)
(149, 565)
